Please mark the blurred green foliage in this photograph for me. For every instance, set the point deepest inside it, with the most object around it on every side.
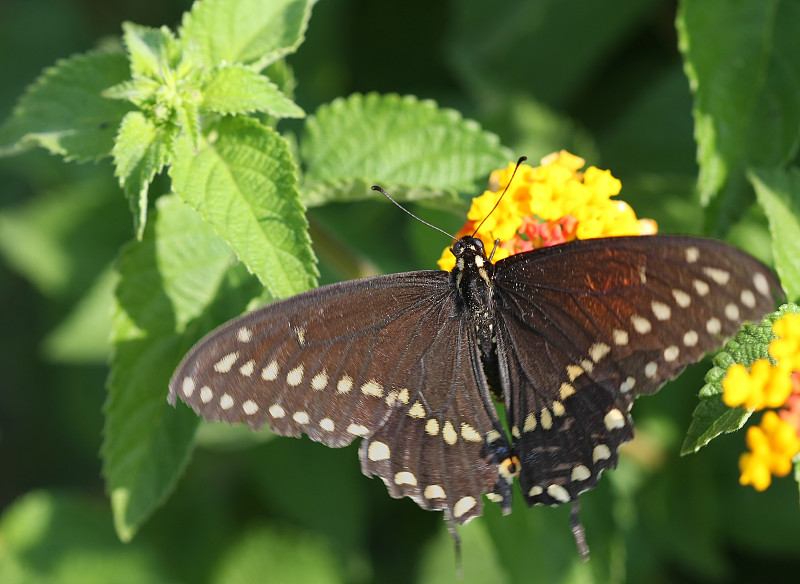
(687, 116)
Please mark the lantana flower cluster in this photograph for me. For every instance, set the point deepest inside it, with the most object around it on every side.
(547, 205)
(770, 384)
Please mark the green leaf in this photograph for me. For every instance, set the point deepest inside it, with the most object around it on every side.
(243, 182)
(152, 51)
(64, 112)
(396, 142)
(746, 110)
(63, 238)
(253, 32)
(83, 336)
(711, 416)
(49, 538)
(141, 151)
(547, 49)
(285, 555)
(359, 189)
(236, 89)
(175, 283)
(778, 192)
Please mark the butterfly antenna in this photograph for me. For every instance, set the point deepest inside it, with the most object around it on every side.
(385, 194)
(500, 198)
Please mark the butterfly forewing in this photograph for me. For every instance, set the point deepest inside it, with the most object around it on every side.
(361, 359)
(601, 321)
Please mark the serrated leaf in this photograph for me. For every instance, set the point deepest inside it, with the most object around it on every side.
(175, 283)
(139, 92)
(243, 182)
(140, 152)
(745, 109)
(188, 114)
(152, 51)
(64, 112)
(236, 89)
(341, 191)
(711, 416)
(397, 142)
(253, 32)
(778, 192)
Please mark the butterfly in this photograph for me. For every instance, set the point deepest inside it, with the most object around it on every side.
(416, 364)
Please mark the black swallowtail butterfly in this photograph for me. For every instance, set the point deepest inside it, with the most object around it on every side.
(566, 337)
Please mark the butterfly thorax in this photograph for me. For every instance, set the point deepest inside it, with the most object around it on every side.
(472, 277)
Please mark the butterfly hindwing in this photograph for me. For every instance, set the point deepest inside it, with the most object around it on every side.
(585, 327)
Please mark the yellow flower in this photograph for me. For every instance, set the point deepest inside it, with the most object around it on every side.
(772, 446)
(786, 348)
(548, 205)
(764, 386)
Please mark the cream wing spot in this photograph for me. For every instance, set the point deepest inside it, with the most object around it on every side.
(713, 326)
(515, 431)
(601, 452)
(701, 287)
(747, 298)
(598, 350)
(558, 493)
(761, 284)
(620, 337)
(319, 381)
(732, 311)
(244, 335)
(721, 277)
(432, 427)
(188, 386)
(224, 365)
(558, 408)
(530, 423)
(690, 338)
(651, 369)
(301, 418)
(405, 478)
(270, 372)
(692, 254)
(627, 385)
(345, 384)
(546, 419)
(469, 433)
(449, 433)
(580, 473)
(660, 310)
(671, 353)
(247, 369)
(276, 411)
(614, 420)
(249, 407)
(417, 411)
(463, 505)
(295, 376)
(378, 451)
(641, 324)
(535, 491)
(372, 388)
(357, 430)
(434, 492)
(587, 365)
(566, 390)
(206, 395)
(574, 371)
(327, 424)
(682, 299)
(226, 402)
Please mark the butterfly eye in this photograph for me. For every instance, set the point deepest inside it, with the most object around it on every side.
(478, 244)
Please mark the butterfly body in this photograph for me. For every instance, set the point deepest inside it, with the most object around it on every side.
(565, 337)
